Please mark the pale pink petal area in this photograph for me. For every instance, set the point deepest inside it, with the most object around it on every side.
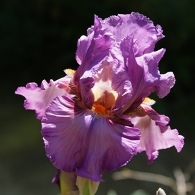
(38, 98)
(165, 83)
(156, 135)
(80, 141)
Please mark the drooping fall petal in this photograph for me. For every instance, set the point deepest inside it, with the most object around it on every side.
(156, 134)
(79, 140)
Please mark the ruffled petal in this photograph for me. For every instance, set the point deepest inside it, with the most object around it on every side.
(92, 49)
(110, 69)
(38, 98)
(120, 80)
(161, 83)
(144, 74)
(144, 33)
(77, 140)
(156, 135)
(128, 40)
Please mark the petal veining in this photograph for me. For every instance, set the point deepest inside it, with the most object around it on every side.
(77, 140)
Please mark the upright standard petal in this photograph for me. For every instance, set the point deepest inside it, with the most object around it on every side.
(128, 40)
(38, 98)
(144, 75)
(78, 140)
(112, 75)
(161, 83)
(92, 49)
(144, 33)
(156, 135)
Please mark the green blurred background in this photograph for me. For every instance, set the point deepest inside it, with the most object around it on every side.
(38, 40)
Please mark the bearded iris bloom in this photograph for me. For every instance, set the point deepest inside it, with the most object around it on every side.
(95, 119)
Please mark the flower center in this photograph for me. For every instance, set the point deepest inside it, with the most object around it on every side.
(103, 104)
(104, 97)
(99, 109)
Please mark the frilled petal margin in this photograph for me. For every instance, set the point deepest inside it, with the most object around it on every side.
(38, 98)
(77, 140)
(156, 135)
(92, 49)
(144, 33)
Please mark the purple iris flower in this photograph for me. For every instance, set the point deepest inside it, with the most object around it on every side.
(95, 119)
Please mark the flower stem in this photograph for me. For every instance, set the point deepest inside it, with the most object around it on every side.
(67, 184)
(86, 186)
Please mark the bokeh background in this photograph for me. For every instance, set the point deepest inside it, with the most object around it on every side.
(38, 40)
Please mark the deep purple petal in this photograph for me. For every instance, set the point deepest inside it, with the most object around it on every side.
(156, 135)
(120, 80)
(86, 83)
(92, 49)
(38, 98)
(144, 74)
(78, 140)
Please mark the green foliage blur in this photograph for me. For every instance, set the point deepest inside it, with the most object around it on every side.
(38, 40)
